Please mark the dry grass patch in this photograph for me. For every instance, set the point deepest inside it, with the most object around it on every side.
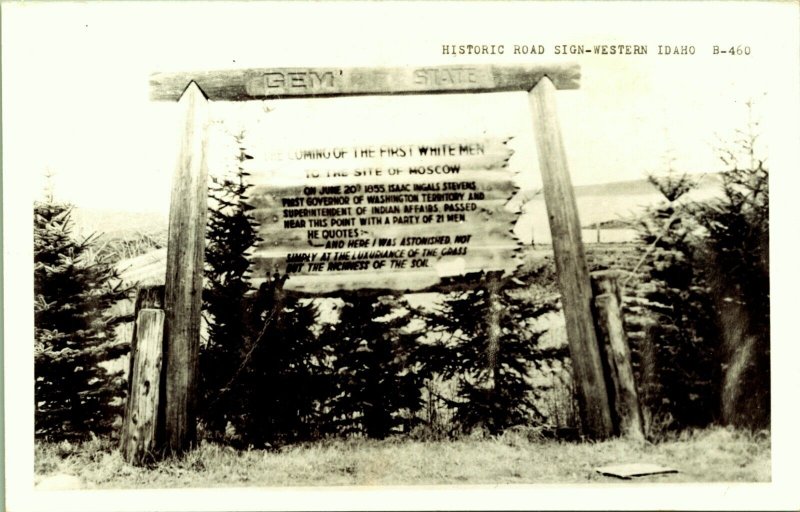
(712, 455)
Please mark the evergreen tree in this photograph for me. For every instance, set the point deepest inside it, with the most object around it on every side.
(736, 254)
(377, 379)
(262, 368)
(485, 339)
(709, 266)
(231, 235)
(681, 357)
(74, 394)
(287, 378)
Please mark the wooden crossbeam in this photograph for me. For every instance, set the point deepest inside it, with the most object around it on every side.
(273, 83)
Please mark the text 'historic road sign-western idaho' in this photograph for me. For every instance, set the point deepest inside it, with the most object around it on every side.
(391, 216)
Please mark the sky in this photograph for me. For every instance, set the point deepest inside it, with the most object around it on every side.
(76, 101)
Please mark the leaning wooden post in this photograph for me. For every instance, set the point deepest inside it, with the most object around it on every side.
(184, 278)
(147, 297)
(139, 430)
(611, 331)
(573, 273)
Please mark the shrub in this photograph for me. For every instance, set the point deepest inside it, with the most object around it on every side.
(261, 366)
(75, 395)
(709, 264)
(231, 235)
(285, 377)
(680, 347)
(736, 254)
(377, 378)
(485, 339)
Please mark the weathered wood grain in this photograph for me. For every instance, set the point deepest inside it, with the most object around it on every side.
(379, 287)
(481, 259)
(139, 441)
(263, 83)
(486, 233)
(488, 155)
(628, 415)
(147, 297)
(573, 273)
(373, 213)
(184, 274)
(614, 342)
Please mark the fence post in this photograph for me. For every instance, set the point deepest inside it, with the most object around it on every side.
(184, 276)
(573, 273)
(147, 297)
(141, 414)
(611, 332)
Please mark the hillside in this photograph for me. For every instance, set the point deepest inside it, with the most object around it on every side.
(118, 224)
(608, 204)
(641, 187)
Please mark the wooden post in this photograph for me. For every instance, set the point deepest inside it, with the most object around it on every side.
(573, 273)
(184, 276)
(611, 331)
(494, 330)
(147, 297)
(139, 429)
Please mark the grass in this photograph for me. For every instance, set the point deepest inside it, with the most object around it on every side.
(518, 457)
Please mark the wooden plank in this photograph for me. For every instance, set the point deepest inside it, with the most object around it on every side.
(614, 343)
(184, 275)
(139, 441)
(482, 241)
(147, 297)
(466, 153)
(606, 281)
(264, 83)
(150, 297)
(480, 216)
(459, 283)
(389, 151)
(428, 227)
(634, 469)
(573, 273)
(628, 415)
(483, 233)
(374, 192)
(501, 259)
(488, 170)
(398, 163)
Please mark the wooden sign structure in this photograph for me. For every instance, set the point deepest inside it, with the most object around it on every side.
(396, 217)
(339, 223)
(275, 83)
